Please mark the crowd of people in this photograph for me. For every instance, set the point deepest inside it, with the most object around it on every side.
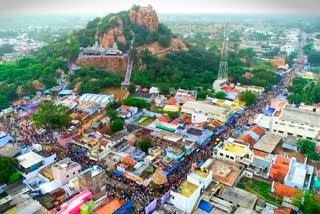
(25, 134)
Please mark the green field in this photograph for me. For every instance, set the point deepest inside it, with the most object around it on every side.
(260, 188)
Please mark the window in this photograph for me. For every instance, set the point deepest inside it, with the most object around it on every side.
(221, 154)
(312, 130)
(309, 138)
(67, 176)
(299, 135)
(280, 131)
(290, 133)
(232, 158)
(292, 126)
(74, 173)
(227, 156)
(301, 127)
(276, 122)
(283, 124)
(78, 170)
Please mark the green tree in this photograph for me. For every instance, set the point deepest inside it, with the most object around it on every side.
(164, 88)
(51, 116)
(308, 147)
(314, 59)
(117, 125)
(144, 145)
(132, 88)
(248, 97)
(3, 102)
(7, 168)
(111, 111)
(165, 40)
(308, 48)
(140, 103)
(14, 177)
(221, 95)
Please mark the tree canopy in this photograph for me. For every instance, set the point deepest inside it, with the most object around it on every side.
(220, 95)
(308, 147)
(7, 168)
(140, 103)
(117, 125)
(248, 97)
(51, 116)
(144, 145)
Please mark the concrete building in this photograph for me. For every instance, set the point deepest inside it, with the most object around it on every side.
(214, 112)
(65, 170)
(239, 197)
(127, 111)
(90, 108)
(298, 123)
(299, 175)
(189, 192)
(234, 152)
(32, 162)
(94, 180)
(255, 89)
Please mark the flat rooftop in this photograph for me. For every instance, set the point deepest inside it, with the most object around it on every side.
(29, 159)
(300, 116)
(234, 148)
(267, 143)
(238, 196)
(225, 172)
(187, 189)
(203, 106)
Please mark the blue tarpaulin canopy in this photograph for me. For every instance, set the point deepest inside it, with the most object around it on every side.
(47, 91)
(5, 140)
(205, 206)
(65, 92)
(117, 172)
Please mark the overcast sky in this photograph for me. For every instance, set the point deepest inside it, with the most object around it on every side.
(161, 6)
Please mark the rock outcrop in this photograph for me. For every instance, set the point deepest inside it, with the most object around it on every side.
(115, 34)
(278, 62)
(117, 64)
(38, 85)
(145, 16)
(156, 49)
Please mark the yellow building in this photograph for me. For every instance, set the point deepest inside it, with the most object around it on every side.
(255, 89)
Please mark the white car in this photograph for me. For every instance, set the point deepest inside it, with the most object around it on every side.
(71, 128)
(41, 131)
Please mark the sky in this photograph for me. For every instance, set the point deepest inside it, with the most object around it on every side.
(161, 6)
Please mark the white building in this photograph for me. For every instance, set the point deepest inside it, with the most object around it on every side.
(31, 163)
(190, 191)
(214, 112)
(65, 170)
(298, 123)
(235, 152)
(200, 117)
(100, 99)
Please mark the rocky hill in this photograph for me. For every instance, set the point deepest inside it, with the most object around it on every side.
(146, 16)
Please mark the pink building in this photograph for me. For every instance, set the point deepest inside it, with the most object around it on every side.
(73, 205)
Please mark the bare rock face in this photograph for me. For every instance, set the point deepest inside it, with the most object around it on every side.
(38, 85)
(145, 16)
(278, 62)
(117, 64)
(117, 33)
(156, 49)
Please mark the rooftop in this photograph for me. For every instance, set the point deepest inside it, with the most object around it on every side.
(225, 172)
(267, 143)
(29, 159)
(110, 207)
(238, 196)
(187, 189)
(283, 190)
(66, 163)
(203, 106)
(300, 116)
(234, 148)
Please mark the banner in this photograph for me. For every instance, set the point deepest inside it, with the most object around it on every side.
(165, 197)
(151, 207)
